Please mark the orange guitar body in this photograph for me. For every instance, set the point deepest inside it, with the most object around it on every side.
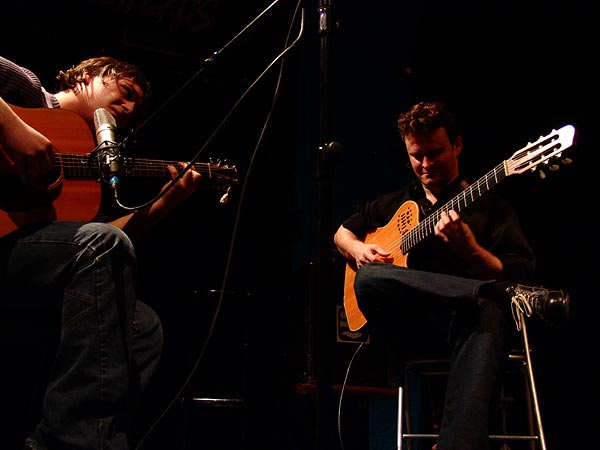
(387, 237)
(71, 191)
(75, 199)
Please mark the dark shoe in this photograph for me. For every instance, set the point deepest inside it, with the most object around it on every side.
(30, 444)
(552, 305)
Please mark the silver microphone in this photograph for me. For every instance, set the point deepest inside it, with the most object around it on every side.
(107, 149)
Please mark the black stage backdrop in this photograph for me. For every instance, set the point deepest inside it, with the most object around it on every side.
(513, 75)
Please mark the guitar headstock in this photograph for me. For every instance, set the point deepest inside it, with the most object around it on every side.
(223, 176)
(547, 150)
(221, 173)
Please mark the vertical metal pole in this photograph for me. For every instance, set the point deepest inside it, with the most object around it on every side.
(400, 435)
(324, 304)
(536, 406)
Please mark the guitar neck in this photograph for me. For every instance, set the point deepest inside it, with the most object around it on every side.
(458, 203)
(81, 167)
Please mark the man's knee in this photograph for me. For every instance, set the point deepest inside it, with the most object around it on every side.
(102, 237)
(365, 276)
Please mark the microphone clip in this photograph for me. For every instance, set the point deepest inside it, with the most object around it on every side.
(107, 157)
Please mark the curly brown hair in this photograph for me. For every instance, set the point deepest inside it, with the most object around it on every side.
(427, 117)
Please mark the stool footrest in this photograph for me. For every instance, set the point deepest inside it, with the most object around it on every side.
(492, 436)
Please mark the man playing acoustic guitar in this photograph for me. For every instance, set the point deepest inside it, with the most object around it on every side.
(465, 275)
(80, 273)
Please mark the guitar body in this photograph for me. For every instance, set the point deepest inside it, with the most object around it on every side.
(74, 199)
(389, 238)
(71, 191)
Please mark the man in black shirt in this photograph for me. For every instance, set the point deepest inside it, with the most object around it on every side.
(473, 265)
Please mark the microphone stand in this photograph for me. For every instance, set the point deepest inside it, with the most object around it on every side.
(323, 306)
(211, 60)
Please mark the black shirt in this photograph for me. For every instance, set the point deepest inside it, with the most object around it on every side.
(492, 220)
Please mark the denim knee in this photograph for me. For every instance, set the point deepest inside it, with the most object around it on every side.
(102, 237)
(364, 277)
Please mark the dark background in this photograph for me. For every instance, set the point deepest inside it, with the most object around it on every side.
(513, 74)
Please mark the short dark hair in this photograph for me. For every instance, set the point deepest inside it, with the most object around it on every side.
(428, 117)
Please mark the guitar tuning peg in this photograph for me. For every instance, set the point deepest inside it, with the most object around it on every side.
(553, 167)
(225, 198)
(566, 161)
(541, 174)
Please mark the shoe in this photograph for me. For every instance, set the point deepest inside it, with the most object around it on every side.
(30, 444)
(552, 305)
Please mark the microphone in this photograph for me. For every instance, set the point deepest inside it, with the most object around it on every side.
(107, 149)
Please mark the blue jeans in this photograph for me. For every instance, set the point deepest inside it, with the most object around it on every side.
(76, 283)
(478, 335)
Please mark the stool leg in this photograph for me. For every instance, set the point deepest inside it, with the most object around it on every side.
(534, 397)
(400, 419)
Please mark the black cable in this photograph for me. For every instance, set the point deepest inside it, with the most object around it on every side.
(228, 265)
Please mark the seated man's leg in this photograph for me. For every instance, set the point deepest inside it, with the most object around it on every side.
(375, 280)
(479, 341)
(90, 269)
(147, 343)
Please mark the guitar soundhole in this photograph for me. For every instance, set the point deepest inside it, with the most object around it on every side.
(406, 220)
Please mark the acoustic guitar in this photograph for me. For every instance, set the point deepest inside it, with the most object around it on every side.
(72, 186)
(404, 231)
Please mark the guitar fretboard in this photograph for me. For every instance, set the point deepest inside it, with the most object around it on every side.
(527, 158)
(81, 166)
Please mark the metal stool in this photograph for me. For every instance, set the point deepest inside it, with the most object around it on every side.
(434, 367)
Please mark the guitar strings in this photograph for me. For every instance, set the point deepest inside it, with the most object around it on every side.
(542, 149)
(79, 164)
(406, 241)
